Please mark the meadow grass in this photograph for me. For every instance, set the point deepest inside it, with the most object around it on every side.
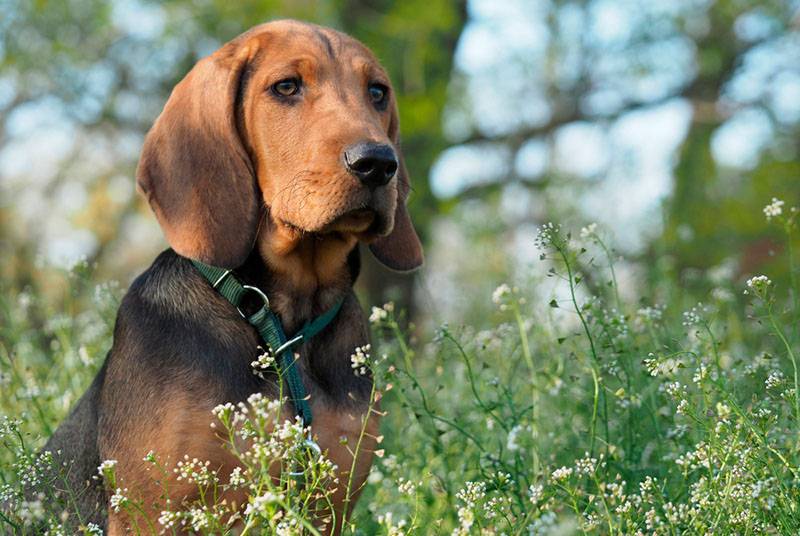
(569, 409)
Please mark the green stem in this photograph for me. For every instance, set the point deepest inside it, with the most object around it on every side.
(6, 519)
(793, 280)
(526, 352)
(471, 376)
(792, 358)
(595, 404)
(348, 493)
(717, 360)
(613, 273)
(595, 378)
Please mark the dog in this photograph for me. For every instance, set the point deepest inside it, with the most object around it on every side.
(275, 157)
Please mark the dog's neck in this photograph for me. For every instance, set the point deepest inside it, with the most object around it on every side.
(303, 274)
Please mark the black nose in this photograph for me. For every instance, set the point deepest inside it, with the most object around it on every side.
(373, 163)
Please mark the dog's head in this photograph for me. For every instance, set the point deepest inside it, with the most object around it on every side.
(291, 122)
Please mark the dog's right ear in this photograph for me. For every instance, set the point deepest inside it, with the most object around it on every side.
(195, 170)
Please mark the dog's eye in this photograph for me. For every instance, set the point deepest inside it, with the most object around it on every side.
(377, 93)
(287, 87)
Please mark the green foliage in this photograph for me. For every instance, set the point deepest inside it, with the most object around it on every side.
(571, 402)
(565, 408)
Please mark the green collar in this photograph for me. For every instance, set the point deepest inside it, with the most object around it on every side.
(271, 331)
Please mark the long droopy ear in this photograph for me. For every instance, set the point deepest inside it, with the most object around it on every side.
(401, 249)
(194, 169)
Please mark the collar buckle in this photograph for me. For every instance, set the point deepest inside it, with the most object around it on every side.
(313, 448)
(270, 330)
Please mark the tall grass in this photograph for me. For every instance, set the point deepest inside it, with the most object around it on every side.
(578, 412)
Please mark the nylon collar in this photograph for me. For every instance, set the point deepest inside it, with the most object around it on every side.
(271, 331)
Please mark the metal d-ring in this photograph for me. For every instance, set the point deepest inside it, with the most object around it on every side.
(311, 445)
(288, 344)
(260, 294)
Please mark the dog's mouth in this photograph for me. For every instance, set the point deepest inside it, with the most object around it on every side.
(364, 223)
(356, 221)
(363, 215)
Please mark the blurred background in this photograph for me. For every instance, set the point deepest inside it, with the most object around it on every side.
(670, 123)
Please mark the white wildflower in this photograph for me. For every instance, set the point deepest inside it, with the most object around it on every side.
(561, 473)
(759, 285)
(406, 487)
(700, 374)
(650, 314)
(466, 518)
(107, 465)
(118, 499)
(535, 493)
(472, 493)
(32, 510)
(512, 442)
(263, 362)
(774, 380)
(774, 209)
(195, 471)
(93, 530)
(673, 389)
(392, 528)
(694, 316)
(546, 236)
(657, 367)
(237, 478)
(168, 519)
(359, 360)
(500, 295)
(84, 356)
(586, 465)
(377, 315)
(260, 503)
(589, 231)
(198, 519)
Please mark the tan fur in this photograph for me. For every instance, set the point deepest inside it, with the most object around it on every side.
(289, 156)
(183, 428)
(186, 431)
(338, 434)
(227, 169)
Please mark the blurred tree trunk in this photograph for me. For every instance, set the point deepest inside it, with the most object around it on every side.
(692, 212)
(415, 40)
(421, 75)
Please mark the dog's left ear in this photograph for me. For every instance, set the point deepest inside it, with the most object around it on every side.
(195, 170)
(401, 249)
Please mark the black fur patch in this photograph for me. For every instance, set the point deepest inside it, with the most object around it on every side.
(175, 334)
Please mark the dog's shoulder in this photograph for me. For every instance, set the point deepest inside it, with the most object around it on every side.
(171, 311)
(172, 290)
(171, 285)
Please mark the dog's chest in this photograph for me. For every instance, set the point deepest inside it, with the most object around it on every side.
(343, 432)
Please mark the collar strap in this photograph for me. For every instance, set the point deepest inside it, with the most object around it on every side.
(271, 331)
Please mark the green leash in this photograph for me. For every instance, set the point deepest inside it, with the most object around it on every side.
(271, 331)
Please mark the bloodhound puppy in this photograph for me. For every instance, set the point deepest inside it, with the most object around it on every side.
(274, 157)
